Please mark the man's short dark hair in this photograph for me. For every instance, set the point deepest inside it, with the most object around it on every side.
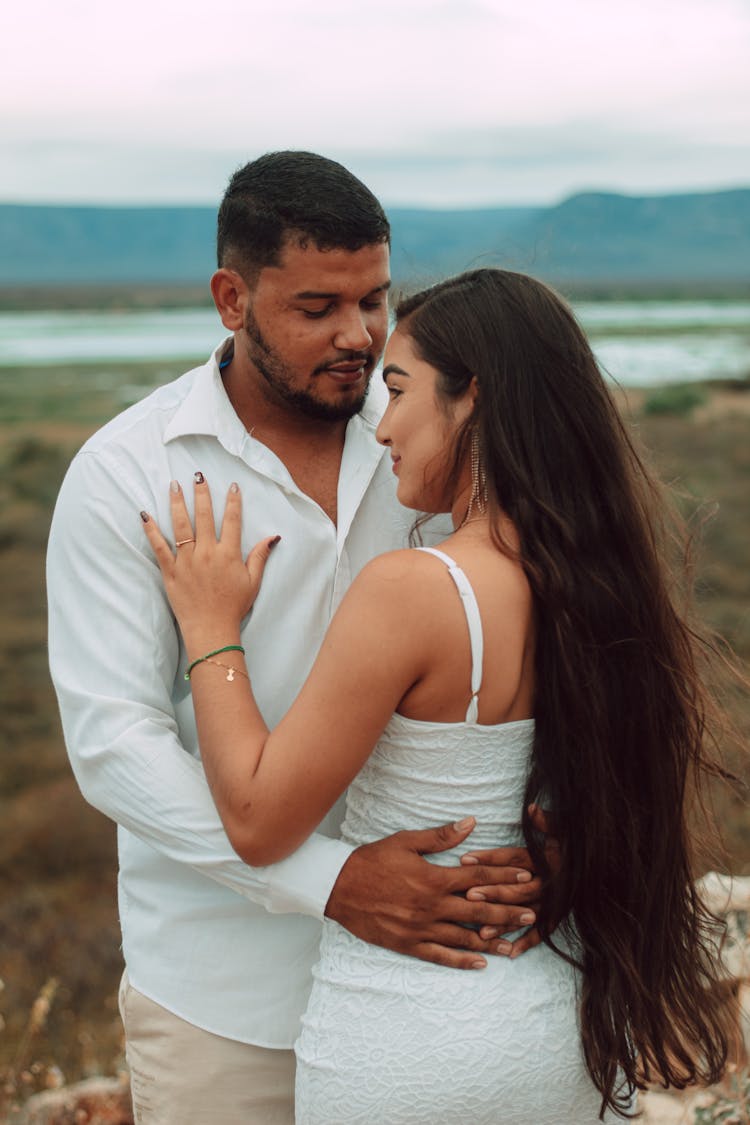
(297, 195)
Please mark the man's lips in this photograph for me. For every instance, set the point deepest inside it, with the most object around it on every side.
(346, 374)
(347, 371)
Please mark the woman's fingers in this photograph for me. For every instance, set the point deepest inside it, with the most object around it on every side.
(182, 528)
(257, 559)
(231, 524)
(205, 528)
(162, 550)
(220, 551)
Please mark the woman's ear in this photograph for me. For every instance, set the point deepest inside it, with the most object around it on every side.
(230, 294)
(467, 404)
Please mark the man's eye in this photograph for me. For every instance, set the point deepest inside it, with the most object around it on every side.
(372, 304)
(316, 314)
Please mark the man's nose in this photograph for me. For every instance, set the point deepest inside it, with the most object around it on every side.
(352, 333)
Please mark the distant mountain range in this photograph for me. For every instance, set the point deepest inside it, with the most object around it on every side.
(593, 237)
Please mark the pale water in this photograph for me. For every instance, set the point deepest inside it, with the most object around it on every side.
(638, 343)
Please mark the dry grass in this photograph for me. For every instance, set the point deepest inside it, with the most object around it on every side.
(57, 857)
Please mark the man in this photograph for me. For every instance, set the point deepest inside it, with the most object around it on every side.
(218, 955)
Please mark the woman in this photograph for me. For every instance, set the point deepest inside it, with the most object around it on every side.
(538, 656)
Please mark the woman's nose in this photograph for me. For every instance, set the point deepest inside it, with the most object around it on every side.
(381, 433)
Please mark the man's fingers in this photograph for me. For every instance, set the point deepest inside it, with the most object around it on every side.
(517, 893)
(427, 841)
(503, 916)
(499, 857)
(459, 880)
(451, 958)
(542, 820)
(526, 941)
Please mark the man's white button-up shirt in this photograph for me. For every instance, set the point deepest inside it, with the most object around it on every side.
(223, 945)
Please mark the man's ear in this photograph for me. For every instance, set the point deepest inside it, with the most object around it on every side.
(230, 294)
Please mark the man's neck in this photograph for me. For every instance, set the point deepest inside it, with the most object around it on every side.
(310, 448)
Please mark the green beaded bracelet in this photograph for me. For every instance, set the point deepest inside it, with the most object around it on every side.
(227, 648)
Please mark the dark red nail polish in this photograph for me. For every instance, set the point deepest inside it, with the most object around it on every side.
(145, 517)
(199, 478)
(276, 539)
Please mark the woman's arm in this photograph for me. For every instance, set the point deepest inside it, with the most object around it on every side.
(273, 788)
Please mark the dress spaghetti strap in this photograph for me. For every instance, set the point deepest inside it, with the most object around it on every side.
(473, 620)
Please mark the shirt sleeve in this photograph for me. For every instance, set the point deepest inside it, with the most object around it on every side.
(114, 653)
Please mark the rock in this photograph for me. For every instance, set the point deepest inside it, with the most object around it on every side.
(97, 1101)
(725, 893)
(661, 1108)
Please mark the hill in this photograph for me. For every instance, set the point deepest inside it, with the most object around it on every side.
(597, 237)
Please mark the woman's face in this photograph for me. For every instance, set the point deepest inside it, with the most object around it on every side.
(420, 428)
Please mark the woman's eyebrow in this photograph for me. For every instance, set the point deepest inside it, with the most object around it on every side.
(394, 369)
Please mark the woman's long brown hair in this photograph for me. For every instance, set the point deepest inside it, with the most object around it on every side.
(621, 709)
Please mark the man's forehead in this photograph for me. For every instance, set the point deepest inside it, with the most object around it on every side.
(308, 258)
(311, 271)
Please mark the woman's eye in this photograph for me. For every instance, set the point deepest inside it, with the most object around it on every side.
(394, 392)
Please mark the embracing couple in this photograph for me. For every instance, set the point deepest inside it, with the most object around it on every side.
(345, 729)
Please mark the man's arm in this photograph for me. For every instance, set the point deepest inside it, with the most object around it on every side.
(388, 894)
(113, 656)
(114, 653)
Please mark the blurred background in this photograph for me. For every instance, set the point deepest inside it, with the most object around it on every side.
(602, 147)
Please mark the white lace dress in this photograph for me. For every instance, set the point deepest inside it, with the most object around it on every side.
(390, 1040)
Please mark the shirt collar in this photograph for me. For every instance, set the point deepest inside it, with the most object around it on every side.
(206, 409)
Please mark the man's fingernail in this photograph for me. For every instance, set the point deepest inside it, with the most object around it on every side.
(198, 477)
(469, 859)
(504, 947)
(475, 895)
(487, 933)
(479, 964)
(174, 486)
(524, 877)
(462, 825)
(528, 918)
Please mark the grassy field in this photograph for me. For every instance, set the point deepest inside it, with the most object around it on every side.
(57, 856)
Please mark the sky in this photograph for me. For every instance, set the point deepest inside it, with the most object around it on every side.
(438, 103)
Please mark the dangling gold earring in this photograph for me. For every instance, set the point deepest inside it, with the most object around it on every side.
(478, 498)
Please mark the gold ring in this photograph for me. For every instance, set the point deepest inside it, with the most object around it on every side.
(182, 542)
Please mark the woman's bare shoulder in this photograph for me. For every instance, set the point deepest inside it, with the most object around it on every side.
(405, 580)
(408, 565)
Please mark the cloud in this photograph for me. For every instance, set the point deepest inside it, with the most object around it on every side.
(443, 100)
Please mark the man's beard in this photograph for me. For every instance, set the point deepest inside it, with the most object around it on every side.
(279, 379)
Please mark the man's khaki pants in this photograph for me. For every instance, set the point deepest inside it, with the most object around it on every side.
(181, 1075)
